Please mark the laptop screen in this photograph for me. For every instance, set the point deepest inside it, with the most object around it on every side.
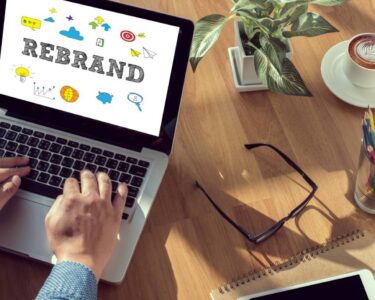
(98, 64)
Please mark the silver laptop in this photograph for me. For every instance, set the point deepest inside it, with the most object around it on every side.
(87, 86)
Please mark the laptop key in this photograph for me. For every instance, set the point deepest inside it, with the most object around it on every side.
(39, 188)
(84, 147)
(66, 151)
(144, 164)
(76, 175)
(89, 157)
(138, 171)
(2, 132)
(38, 134)
(5, 125)
(100, 160)
(33, 162)
(43, 177)
(10, 135)
(61, 141)
(44, 145)
(11, 146)
(67, 162)
(50, 137)
(55, 181)
(42, 166)
(77, 154)
(111, 163)
(125, 178)
(32, 175)
(132, 160)
(125, 216)
(120, 156)
(96, 150)
(55, 148)
(54, 169)
(2, 152)
(102, 169)
(108, 153)
(27, 131)
(16, 128)
(9, 154)
(114, 175)
(123, 167)
(136, 181)
(2, 143)
(78, 165)
(90, 167)
(132, 191)
(73, 144)
(129, 202)
(22, 138)
(56, 159)
(44, 155)
(33, 152)
(65, 172)
(22, 149)
(33, 141)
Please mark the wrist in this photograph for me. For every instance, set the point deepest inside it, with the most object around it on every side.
(85, 260)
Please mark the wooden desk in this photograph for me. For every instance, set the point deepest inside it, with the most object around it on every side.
(186, 248)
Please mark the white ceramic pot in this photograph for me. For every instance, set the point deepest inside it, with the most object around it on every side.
(245, 63)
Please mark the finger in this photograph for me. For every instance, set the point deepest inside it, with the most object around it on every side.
(8, 189)
(105, 186)
(9, 162)
(9, 172)
(120, 198)
(54, 208)
(89, 184)
(71, 186)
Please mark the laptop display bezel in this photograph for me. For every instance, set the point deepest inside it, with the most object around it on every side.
(103, 131)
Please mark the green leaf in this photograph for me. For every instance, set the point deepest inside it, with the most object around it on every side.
(292, 11)
(248, 5)
(328, 2)
(207, 31)
(309, 24)
(283, 78)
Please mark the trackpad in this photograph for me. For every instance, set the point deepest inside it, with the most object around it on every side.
(22, 228)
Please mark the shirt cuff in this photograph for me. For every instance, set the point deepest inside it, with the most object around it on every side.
(69, 280)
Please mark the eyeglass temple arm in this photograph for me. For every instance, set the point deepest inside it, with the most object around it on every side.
(287, 159)
(224, 215)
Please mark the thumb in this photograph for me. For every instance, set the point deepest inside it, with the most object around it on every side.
(8, 188)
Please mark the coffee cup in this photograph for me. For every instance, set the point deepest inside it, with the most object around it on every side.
(359, 62)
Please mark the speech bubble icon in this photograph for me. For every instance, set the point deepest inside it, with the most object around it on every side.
(31, 23)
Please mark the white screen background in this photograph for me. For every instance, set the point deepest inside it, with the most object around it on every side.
(159, 38)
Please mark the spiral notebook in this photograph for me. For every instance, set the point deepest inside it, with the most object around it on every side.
(343, 254)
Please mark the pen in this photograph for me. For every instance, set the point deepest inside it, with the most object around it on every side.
(370, 150)
(371, 115)
(365, 134)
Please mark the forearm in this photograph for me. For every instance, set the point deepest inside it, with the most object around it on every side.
(69, 281)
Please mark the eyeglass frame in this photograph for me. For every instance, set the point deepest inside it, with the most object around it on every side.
(256, 239)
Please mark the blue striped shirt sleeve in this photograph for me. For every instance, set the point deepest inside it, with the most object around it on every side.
(69, 281)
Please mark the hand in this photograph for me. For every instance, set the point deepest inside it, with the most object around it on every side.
(82, 225)
(11, 168)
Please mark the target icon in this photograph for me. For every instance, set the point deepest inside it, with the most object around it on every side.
(127, 36)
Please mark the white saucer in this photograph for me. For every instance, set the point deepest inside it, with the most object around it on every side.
(339, 84)
(236, 78)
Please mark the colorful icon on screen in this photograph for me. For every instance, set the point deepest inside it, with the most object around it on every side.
(137, 99)
(70, 18)
(147, 53)
(142, 35)
(31, 23)
(100, 42)
(127, 36)
(22, 73)
(53, 11)
(69, 94)
(43, 92)
(99, 20)
(104, 97)
(72, 33)
(134, 53)
(50, 20)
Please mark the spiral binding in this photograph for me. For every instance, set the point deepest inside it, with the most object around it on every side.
(303, 256)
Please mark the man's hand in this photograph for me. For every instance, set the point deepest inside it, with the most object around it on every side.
(11, 169)
(83, 223)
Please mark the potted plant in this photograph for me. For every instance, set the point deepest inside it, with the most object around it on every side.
(264, 29)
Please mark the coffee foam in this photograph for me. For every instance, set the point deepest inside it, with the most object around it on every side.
(362, 50)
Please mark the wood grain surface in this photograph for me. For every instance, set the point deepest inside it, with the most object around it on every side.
(186, 249)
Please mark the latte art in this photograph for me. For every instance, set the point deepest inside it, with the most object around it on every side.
(362, 50)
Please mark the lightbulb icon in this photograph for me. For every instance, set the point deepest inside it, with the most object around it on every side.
(22, 72)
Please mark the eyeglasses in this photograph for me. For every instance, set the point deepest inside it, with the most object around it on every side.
(273, 229)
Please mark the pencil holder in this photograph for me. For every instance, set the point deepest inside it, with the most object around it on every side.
(364, 193)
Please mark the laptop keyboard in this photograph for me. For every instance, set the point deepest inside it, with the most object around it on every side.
(53, 159)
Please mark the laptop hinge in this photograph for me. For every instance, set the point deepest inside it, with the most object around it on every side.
(46, 122)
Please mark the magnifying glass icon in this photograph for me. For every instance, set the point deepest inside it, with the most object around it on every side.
(137, 99)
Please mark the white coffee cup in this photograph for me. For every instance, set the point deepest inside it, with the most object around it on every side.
(359, 61)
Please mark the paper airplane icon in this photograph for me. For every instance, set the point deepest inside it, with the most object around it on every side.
(134, 53)
(147, 53)
(100, 20)
(142, 35)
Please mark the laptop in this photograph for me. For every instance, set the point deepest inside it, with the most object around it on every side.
(87, 85)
